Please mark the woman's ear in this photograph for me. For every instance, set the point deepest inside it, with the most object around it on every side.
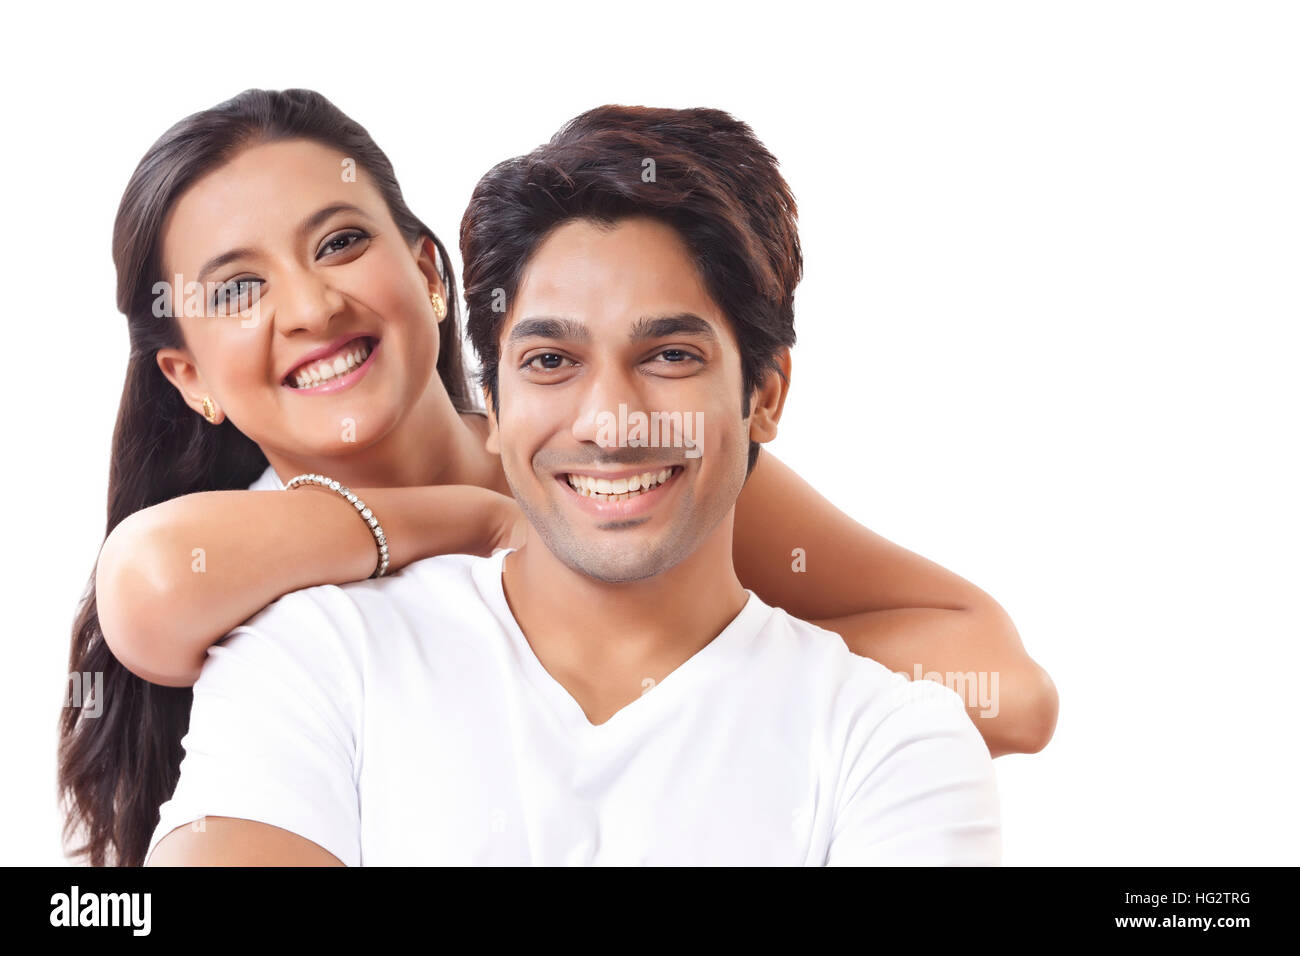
(769, 400)
(427, 259)
(179, 368)
(493, 441)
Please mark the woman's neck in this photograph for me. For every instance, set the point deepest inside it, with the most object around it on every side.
(433, 444)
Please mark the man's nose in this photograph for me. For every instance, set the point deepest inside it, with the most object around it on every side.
(605, 390)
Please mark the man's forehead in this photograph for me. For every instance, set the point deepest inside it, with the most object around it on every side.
(611, 279)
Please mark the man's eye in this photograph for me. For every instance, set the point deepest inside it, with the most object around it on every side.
(550, 361)
(677, 356)
(341, 241)
(234, 295)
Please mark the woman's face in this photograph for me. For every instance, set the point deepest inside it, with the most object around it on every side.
(337, 339)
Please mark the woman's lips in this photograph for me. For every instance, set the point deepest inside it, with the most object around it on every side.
(345, 366)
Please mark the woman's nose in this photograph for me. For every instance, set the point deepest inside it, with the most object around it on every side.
(307, 303)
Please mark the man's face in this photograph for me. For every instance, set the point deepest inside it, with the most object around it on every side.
(607, 317)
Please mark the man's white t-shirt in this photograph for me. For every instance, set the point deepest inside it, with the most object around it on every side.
(406, 720)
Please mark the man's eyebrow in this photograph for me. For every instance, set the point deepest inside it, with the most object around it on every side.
(646, 327)
(549, 327)
(308, 224)
(664, 326)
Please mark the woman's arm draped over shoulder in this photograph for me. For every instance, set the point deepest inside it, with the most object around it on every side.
(173, 579)
(889, 604)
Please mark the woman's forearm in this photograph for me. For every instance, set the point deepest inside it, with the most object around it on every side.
(977, 653)
(173, 579)
(799, 552)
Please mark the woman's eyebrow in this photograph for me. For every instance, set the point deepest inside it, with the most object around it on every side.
(320, 215)
(308, 224)
(216, 262)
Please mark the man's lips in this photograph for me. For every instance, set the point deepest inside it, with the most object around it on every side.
(612, 492)
(621, 473)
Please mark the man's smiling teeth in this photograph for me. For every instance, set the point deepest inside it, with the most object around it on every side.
(617, 489)
(340, 363)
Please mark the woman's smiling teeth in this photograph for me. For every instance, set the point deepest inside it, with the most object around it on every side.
(340, 363)
(617, 489)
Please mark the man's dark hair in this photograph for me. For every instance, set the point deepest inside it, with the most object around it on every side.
(710, 179)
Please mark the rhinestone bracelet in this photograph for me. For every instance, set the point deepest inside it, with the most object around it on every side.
(376, 529)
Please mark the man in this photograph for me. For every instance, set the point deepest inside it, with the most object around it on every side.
(607, 693)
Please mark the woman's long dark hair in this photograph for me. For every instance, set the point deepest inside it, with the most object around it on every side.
(117, 768)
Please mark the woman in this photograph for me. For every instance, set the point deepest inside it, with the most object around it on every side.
(326, 309)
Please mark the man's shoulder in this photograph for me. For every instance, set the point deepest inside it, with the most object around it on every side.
(816, 650)
(440, 579)
(425, 599)
(442, 569)
(857, 686)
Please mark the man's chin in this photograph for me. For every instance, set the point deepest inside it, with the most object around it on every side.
(616, 568)
(616, 561)
(611, 551)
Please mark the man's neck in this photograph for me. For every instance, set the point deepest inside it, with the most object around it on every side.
(607, 643)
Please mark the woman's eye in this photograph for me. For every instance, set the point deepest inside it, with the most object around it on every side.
(549, 362)
(341, 241)
(234, 295)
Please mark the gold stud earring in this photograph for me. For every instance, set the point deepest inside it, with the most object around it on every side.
(439, 307)
(209, 410)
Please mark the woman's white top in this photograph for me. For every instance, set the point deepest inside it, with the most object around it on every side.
(267, 481)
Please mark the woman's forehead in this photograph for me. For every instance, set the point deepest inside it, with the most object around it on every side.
(259, 198)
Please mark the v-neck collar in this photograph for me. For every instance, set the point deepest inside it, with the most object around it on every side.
(750, 619)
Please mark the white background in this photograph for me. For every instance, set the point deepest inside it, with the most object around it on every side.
(1047, 335)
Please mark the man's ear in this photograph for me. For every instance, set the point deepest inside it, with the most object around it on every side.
(427, 259)
(769, 400)
(493, 443)
(179, 368)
